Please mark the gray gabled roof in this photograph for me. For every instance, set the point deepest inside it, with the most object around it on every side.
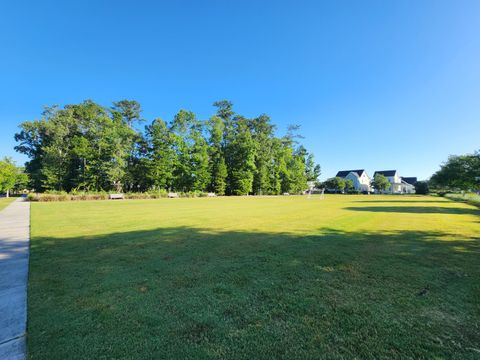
(344, 173)
(410, 180)
(386, 172)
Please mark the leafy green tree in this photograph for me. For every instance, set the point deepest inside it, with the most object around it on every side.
(161, 156)
(380, 183)
(242, 159)
(459, 172)
(226, 114)
(8, 175)
(109, 140)
(30, 143)
(77, 147)
(191, 169)
(298, 179)
(292, 162)
(283, 159)
(348, 185)
(312, 170)
(276, 166)
(21, 180)
(199, 158)
(262, 136)
(217, 165)
(335, 183)
(56, 157)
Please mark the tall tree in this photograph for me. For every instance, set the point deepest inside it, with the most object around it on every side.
(242, 159)
(191, 168)
(262, 136)
(129, 111)
(199, 157)
(312, 170)
(161, 155)
(224, 109)
(217, 165)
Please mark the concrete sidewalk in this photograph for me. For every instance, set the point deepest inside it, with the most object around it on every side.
(14, 242)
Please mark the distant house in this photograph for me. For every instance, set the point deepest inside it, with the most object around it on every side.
(410, 180)
(398, 184)
(361, 180)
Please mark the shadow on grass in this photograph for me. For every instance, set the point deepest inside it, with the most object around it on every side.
(404, 201)
(417, 210)
(197, 293)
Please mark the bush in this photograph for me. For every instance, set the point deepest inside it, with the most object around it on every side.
(421, 188)
(48, 197)
(137, 196)
(89, 196)
(157, 194)
(32, 197)
(51, 196)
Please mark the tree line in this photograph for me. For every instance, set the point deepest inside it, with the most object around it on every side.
(88, 147)
(459, 172)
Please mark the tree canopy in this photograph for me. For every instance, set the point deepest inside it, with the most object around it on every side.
(380, 183)
(336, 183)
(459, 172)
(89, 147)
(11, 177)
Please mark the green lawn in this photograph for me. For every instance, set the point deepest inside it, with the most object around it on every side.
(255, 278)
(4, 202)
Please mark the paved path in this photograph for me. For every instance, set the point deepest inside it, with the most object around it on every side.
(14, 241)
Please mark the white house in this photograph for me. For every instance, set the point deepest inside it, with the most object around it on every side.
(398, 185)
(409, 184)
(361, 180)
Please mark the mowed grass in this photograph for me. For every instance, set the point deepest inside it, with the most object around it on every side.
(4, 202)
(255, 278)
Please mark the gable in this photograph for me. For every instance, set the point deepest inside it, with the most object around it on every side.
(410, 180)
(344, 173)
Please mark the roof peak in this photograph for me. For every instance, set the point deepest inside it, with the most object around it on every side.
(344, 173)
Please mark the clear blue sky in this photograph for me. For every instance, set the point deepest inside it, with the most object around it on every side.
(374, 84)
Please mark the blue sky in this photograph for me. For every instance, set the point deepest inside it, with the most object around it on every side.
(374, 84)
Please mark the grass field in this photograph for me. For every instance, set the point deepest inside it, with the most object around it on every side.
(255, 278)
(4, 202)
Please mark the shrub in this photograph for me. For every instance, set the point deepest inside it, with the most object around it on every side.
(89, 196)
(157, 194)
(32, 197)
(421, 188)
(81, 196)
(48, 197)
